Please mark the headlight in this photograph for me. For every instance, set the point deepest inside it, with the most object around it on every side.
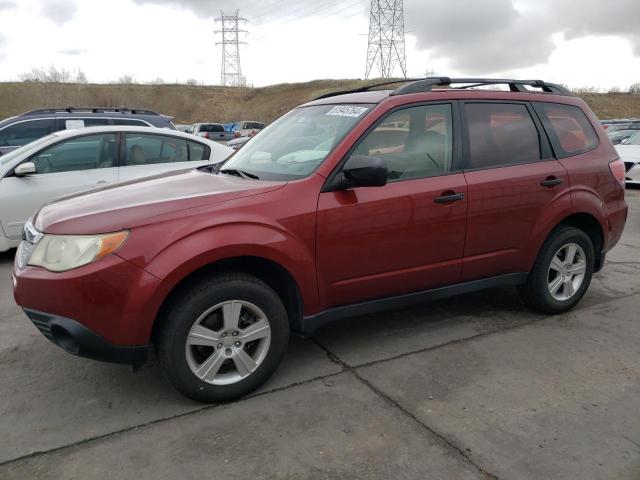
(59, 253)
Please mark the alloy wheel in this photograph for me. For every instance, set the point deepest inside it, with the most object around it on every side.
(566, 271)
(228, 342)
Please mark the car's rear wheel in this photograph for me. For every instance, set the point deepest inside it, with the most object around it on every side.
(562, 272)
(222, 337)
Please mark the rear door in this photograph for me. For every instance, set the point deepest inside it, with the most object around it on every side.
(76, 164)
(144, 155)
(512, 178)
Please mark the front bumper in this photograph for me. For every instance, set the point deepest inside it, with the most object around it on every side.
(75, 338)
(111, 297)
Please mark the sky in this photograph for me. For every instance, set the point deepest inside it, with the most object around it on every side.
(580, 43)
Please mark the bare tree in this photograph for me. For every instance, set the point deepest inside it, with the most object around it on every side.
(53, 75)
(126, 79)
(635, 88)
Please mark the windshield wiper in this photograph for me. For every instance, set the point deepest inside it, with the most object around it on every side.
(239, 173)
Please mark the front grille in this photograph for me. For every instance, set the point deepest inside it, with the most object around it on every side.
(42, 323)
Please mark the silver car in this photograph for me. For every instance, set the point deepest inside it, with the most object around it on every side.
(73, 160)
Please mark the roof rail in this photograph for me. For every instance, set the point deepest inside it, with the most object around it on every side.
(427, 84)
(133, 111)
(366, 88)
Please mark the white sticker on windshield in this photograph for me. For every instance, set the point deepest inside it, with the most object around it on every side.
(347, 111)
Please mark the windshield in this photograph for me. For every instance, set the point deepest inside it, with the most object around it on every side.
(7, 157)
(297, 143)
(634, 140)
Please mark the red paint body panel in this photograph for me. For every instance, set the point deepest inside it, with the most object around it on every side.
(375, 242)
(505, 205)
(110, 297)
(339, 247)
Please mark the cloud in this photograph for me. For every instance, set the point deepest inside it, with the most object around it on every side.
(74, 51)
(59, 11)
(3, 41)
(601, 18)
(7, 5)
(498, 35)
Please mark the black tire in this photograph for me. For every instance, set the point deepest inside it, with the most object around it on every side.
(187, 306)
(535, 292)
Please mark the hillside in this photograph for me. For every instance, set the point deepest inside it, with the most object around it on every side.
(189, 104)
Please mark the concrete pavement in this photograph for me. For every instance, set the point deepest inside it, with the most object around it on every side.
(476, 387)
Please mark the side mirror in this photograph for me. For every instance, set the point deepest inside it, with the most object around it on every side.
(26, 168)
(364, 171)
(624, 140)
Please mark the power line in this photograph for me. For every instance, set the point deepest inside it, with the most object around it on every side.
(231, 74)
(386, 49)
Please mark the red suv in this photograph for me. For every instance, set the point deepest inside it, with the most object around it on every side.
(353, 203)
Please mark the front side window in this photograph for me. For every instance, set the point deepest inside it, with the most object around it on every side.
(144, 149)
(22, 133)
(415, 142)
(297, 143)
(500, 134)
(570, 131)
(80, 153)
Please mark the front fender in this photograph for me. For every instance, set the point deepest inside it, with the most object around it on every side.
(202, 248)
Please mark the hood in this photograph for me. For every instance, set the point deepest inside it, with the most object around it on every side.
(628, 151)
(139, 202)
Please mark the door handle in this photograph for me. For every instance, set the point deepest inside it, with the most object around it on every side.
(449, 197)
(101, 182)
(551, 182)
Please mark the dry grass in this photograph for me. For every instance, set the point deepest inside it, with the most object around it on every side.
(189, 104)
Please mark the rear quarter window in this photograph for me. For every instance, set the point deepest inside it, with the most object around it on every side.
(569, 129)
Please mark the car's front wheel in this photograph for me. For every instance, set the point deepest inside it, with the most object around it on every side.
(562, 272)
(222, 337)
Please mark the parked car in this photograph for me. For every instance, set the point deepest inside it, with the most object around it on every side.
(72, 160)
(323, 216)
(212, 131)
(247, 128)
(237, 143)
(18, 131)
(618, 123)
(619, 136)
(624, 126)
(185, 128)
(629, 152)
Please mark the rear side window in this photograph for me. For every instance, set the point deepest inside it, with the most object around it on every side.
(134, 123)
(212, 128)
(500, 134)
(147, 149)
(21, 133)
(569, 129)
(197, 151)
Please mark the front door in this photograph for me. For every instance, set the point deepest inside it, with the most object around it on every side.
(73, 165)
(403, 237)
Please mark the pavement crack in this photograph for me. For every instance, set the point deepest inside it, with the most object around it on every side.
(157, 421)
(450, 444)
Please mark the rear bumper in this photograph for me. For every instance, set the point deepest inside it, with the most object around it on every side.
(76, 339)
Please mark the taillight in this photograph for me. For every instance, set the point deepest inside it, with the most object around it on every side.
(605, 126)
(237, 134)
(206, 135)
(617, 169)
